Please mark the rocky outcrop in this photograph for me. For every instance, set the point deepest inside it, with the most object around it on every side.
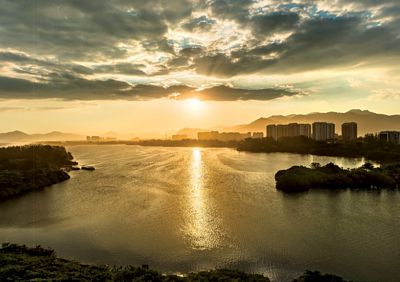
(27, 168)
(14, 182)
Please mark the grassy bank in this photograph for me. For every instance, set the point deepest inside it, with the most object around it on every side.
(21, 263)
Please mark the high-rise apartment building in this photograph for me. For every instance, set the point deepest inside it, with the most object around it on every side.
(288, 130)
(282, 131)
(390, 136)
(349, 131)
(272, 131)
(323, 131)
(305, 130)
(223, 136)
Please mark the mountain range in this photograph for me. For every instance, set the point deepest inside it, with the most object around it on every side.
(19, 136)
(368, 122)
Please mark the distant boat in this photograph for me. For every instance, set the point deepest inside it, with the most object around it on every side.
(87, 167)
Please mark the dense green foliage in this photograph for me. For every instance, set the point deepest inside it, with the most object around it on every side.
(25, 168)
(316, 276)
(34, 157)
(368, 147)
(14, 182)
(22, 263)
(331, 176)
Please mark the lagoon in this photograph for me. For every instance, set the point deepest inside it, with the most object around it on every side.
(189, 209)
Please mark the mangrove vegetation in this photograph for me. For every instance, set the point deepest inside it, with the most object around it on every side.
(331, 176)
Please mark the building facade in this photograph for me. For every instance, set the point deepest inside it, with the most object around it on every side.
(305, 130)
(179, 137)
(288, 130)
(272, 131)
(349, 131)
(93, 138)
(390, 136)
(257, 135)
(223, 136)
(323, 131)
(208, 135)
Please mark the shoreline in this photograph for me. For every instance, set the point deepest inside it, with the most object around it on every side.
(19, 262)
(370, 150)
(42, 178)
(31, 168)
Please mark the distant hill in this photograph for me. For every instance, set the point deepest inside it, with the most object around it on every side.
(112, 134)
(368, 122)
(191, 132)
(19, 136)
(14, 135)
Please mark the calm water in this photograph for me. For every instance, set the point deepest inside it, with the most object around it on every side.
(185, 209)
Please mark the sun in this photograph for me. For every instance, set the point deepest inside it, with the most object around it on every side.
(194, 104)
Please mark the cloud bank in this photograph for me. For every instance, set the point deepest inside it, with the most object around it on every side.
(124, 49)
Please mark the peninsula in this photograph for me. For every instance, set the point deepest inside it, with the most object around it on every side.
(27, 168)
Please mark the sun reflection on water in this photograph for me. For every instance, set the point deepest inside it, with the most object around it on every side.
(201, 225)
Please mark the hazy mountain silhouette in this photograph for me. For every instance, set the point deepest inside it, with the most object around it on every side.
(19, 136)
(112, 134)
(191, 132)
(14, 135)
(368, 122)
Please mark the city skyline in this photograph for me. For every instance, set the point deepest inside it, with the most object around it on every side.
(366, 122)
(128, 65)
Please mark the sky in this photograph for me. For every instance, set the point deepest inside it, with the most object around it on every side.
(154, 66)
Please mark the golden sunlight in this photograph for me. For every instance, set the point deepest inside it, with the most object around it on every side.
(201, 226)
(194, 104)
(228, 140)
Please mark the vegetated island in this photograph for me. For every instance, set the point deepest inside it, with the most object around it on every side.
(21, 263)
(31, 167)
(331, 176)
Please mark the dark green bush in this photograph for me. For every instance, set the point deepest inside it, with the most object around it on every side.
(331, 176)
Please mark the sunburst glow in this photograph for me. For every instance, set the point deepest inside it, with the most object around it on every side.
(194, 104)
(202, 228)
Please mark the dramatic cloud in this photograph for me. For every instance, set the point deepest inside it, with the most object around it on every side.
(317, 44)
(85, 26)
(274, 22)
(98, 49)
(231, 9)
(74, 88)
(202, 23)
(225, 93)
